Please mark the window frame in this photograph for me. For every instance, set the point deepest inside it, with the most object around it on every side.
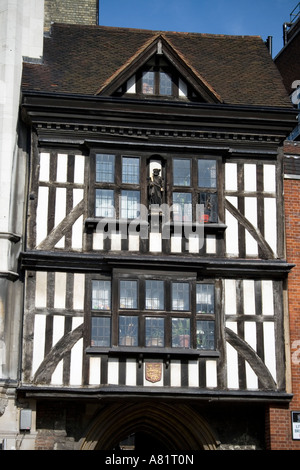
(181, 89)
(170, 189)
(168, 314)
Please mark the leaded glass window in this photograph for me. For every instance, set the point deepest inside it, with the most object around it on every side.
(128, 330)
(101, 331)
(205, 334)
(182, 206)
(181, 332)
(207, 173)
(155, 331)
(181, 172)
(180, 296)
(101, 295)
(154, 295)
(128, 294)
(205, 301)
(130, 170)
(104, 203)
(105, 168)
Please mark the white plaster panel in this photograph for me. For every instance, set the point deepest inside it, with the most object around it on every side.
(249, 297)
(95, 371)
(62, 166)
(250, 177)
(231, 233)
(116, 241)
(211, 245)
(175, 373)
(176, 244)
(76, 363)
(271, 222)
(79, 169)
(230, 176)
(113, 371)
(250, 338)
(269, 347)
(98, 241)
(60, 205)
(232, 361)
(76, 356)
(269, 178)
(60, 290)
(58, 328)
(44, 166)
(193, 374)
(211, 374)
(77, 232)
(230, 297)
(42, 215)
(57, 376)
(130, 372)
(194, 244)
(130, 86)
(251, 215)
(155, 242)
(41, 289)
(78, 295)
(133, 242)
(38, 341)
(267, 297)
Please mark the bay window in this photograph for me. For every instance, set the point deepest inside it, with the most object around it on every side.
(152, 312)
(122, 186)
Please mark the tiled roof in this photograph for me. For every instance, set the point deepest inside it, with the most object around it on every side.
(81, 59)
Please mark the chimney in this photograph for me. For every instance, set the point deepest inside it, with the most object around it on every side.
(71, 12)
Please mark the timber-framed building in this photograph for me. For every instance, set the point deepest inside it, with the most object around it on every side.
(153, 259)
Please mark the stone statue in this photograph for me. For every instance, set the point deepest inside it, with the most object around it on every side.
(156, 187)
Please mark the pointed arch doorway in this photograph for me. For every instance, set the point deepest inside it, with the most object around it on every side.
(148, 426)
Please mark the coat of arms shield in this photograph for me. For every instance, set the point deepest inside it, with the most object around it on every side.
(153, 371)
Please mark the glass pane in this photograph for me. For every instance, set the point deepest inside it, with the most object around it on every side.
(207, 173)
(181, 331)
(128, 294)
(182, 206)
(180, 296)
(130, 170)
(155, 295)
(181, 172)
(205, 298)
(128, 331)
(210, 207)
(104, 203)
(105, 168)
(205, 334)
(148, 83)
(165, 84)
(130, 204)
(100, 331)
(101, 295)
(155, 331)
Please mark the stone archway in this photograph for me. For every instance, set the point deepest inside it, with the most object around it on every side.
(176, 427)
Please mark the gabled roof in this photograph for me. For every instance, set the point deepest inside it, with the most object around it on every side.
(161, 43)
(91, 60)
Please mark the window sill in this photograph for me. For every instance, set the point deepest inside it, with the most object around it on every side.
(92, 222)
(142, 352)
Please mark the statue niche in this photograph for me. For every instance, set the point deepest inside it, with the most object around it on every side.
(156, 188)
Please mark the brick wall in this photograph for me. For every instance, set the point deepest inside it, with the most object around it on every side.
(279, 419)
(71, 11)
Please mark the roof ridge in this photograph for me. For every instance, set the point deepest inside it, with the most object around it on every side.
(155, 31)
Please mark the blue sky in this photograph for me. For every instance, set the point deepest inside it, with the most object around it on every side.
(238, 17)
